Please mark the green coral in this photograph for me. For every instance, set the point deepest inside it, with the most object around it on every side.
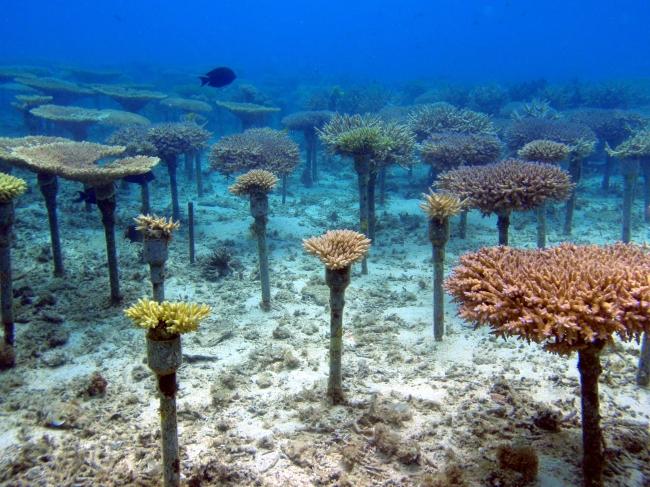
(357, 136)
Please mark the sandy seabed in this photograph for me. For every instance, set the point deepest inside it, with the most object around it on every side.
(251, 404)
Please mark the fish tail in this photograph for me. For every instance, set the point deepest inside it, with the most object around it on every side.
(204, 80)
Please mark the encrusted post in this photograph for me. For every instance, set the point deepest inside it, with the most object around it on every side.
(575, 170)
(629, 170)
(361, 166)
(462, 225)
(503, 223)
(259, 210)
(438, 235)
(172, 164)
(6, 290)
(190, 226)
(199, 174)
(48, 184)
(643, 374)
(592, 436)
(337, 280)
(540, 211)
(164, 357)
(106, 203)
(155, 254)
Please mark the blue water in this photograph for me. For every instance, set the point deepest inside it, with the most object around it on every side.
(385, 41)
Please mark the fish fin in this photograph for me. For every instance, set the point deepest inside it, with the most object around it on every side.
(204, 80)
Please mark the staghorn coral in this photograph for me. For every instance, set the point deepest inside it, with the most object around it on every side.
(338, 249)
(510, 185)
(447, 150)
(356, 136)
(526, 130)
(196, 136)
(544, 151)
(169, 139)
(255, 181)
(402, 144)
(568, 298)
(537, 108)
(135, 139)
(565, 298)
(11, 187)
(264, 148)
(441, 205)
(636, 147)
(156, 227)
(167, 319)
(442, 117)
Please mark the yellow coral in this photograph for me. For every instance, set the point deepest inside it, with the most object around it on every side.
(338, 249)
(154, 227)
(257, 180)
(439, 206)
(11, 187)
(167, 317)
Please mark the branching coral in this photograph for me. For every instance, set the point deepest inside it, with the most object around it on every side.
(254, 181)
(169, 139)
(442, 117)
(268, 149)
(544, 151)
(135, 139)
(447, 150)
(508, 185)
(11, 187)
(565, 298)
(440, 206)
(356, 136)
(636, 147)
(167, 318)
(568, 298)
(338, 249)
(156, 227)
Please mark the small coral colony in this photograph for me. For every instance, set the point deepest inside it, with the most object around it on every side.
(488, 149)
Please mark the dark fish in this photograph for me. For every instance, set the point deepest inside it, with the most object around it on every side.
(87, 196)
(218, 77)
(133, 234)
(140, 178)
